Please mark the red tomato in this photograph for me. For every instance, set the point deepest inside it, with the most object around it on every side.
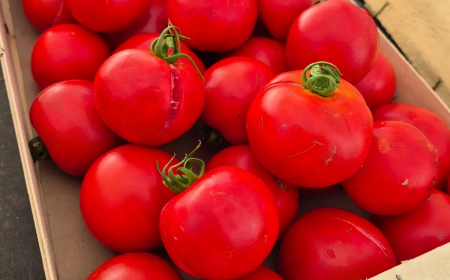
(230, 87)
(67, 52)
(418, 231)
(65, 119)
(399, 172)
(43, 14)
(122, 196)
(307, 139)
(135, 266)
(154, 21)
(378, 86)
(266, 50)
(278, 15)
(261, 273)
(107, 16)
(336, 31)
(144, 41)
(434, 128)
(214, 25)
(331, 243)
(147, 100)
(286, 195)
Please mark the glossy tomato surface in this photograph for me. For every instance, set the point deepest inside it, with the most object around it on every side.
(261, 273)
(214, 25)
(286, 195)
(107, 16)
(221, 227)
(230, 87)
(399, 172)
(65, 119)
(67, 52)
(303, 138)
(43, 14)
(135, 266)
(434, 128)
(418, 231)
(346, 36)
(266, 50)
(331, 243)
(122, 196)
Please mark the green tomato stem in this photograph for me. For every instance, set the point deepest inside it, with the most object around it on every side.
(324, 78)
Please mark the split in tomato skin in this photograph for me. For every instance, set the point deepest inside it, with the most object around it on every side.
(65, 118)
(261, 273)
(331, 243)
(43, 14)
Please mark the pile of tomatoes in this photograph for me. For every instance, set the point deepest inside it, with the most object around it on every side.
(290, 97)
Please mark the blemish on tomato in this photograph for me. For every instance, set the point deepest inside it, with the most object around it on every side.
(405, 182)
(384, 146)
(331, 254)
(176, 96)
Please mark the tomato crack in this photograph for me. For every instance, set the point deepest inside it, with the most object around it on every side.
(328, 160)
(315, 142)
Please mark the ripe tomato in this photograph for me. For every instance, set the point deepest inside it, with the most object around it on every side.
(43, 14)
(331, 243)
(434, 128)
(230, 87)
(418, 231)
(398, 173)
(66, 121)
(214, 25)
(148, 97)
(302, 137)
(122, 196)
(135, 266)
(261, 273)
(346, 36)
(266, 50)
(67, 52)
(286, 195)
(154, 21)
(107, 16)
(278, 15)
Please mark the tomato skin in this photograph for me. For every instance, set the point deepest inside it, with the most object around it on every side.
(122, 197)
(65, 118)
(228, 95)
(340, 21)
(133, 95)
(261, 273)
(43, 14)
(309, 149)
(434, 128)
(331, 243)
(136, 266)
(286, 195)
(206, 21)
(278, 15)
(107, 16)
(418, 231)
(398, 173)
(67, 52)
(221, 227)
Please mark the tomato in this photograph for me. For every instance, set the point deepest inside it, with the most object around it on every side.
(154, 21)
(136, 266)
(144, 40)
(122, 197)
(434, 128)
(418, 231)
(67, 52)
(66, 121)
(266, 50)
(286, 195)
(304, 138)
(43, 14)
(214, 25)
(336, 31)
(331, 243)
(261, 273)
(148, 97)
(230, 87)
(107, 16)
(399, 172)
(278, 15)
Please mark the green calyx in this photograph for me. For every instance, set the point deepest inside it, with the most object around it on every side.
(184, 176)
(324, 78)
(170, 39)
(38, 150)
